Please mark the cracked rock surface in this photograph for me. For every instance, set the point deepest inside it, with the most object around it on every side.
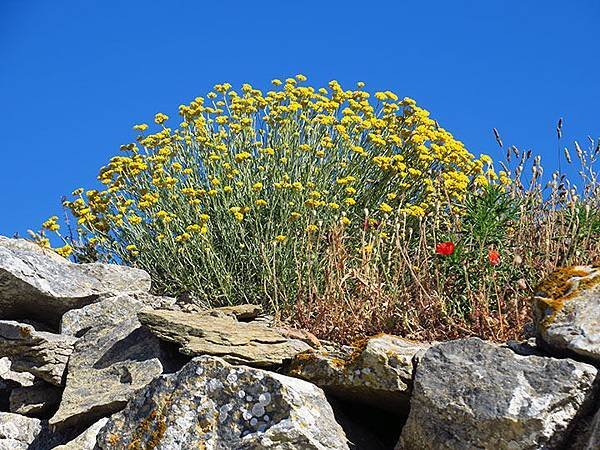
(218, 334)
(40, 353)
(473, 394)
(212, 404)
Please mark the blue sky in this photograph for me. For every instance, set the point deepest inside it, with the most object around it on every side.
(76, 75)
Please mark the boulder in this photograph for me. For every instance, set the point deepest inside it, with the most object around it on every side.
(107, 366)
(214, 333)
(36, 400)
(86, 440)
(212, 404)
(567, 312)
(109, 311)
(40, 285)
(378, 371)
(18, 432)
(40, 353)
(472, 394)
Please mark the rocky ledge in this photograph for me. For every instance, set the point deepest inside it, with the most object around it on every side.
(89, 359)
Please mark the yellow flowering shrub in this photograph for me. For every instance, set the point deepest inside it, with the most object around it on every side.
(238, 198)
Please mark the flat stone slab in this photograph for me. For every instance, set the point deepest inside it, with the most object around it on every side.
(567, 312)
(38, 284)
(211, 404)
(377, 372)
(109, 311)
(473, 394)
(40, 353)
(251, 343)
(107, 367)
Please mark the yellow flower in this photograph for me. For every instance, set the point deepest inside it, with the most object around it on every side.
(64, 251)
(141, 127)
(386, 208)
(134, 219)
(311, 228)
(51, 224)
(242, 156)
(276, 82)
(160, 118)
(257, 186)
(260, 202)
(280, 238)
(295, 215)
(132, 248)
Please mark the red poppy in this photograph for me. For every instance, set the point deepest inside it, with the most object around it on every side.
(445, 248)
(494, 257)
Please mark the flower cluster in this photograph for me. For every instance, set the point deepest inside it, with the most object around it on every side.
(246, 171)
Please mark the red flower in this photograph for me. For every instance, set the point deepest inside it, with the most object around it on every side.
(494, 257)
(445, 248)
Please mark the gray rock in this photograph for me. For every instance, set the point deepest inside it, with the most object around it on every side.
(107, 366)
(472, 394)
(6, 374)
(109, 311)
(18, 432)
(250, 343)
(40, 353)
(40, 285)
(379, 372)
(86, 440)
(587, 433)
(567, 312)
(211, 404)
(36, 400)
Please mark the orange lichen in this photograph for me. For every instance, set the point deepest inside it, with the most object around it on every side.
(562, 285)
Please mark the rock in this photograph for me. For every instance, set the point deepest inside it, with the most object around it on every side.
(240, 312)
(40, 285)
(378, 372)
(86, 440)
(250, 343)
(590, 437)
(108, 312)
(472, 394)
(6, 374)
(18, 432)
(107, 366)
(567, 312)
(36, 400)
(40, 353)
(211, 404)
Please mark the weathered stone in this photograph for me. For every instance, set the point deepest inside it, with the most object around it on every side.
(567, 312)
(40, 285)
(586, 435)
(40, 353)
(378, 372)
(241, 312)
(107, 366)
(108, 311)
(36, 400)
(472, 394)
(250, 343)
(18, 432)
(6, 373)
(86, 440)
(211, 404)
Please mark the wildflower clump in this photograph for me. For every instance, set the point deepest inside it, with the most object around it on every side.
(233, 201)
(344, 212)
